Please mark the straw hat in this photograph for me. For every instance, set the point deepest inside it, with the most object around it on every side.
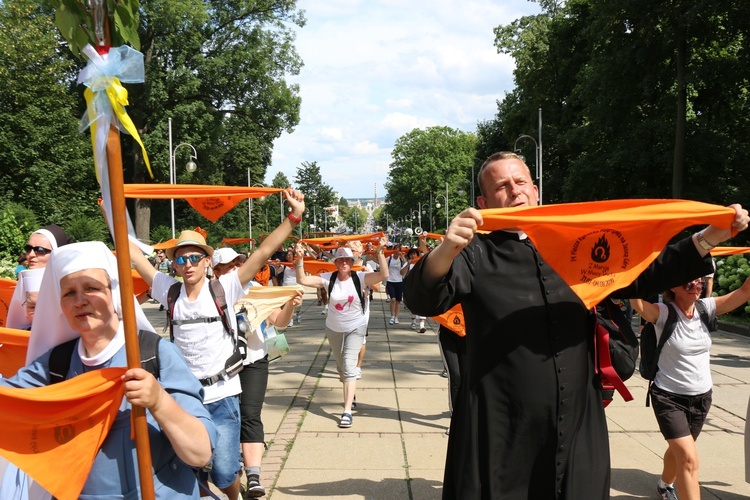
(189, 238)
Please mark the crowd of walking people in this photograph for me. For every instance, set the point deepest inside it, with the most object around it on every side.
(527, 419)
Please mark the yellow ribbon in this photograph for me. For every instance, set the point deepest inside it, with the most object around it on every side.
(118, 98)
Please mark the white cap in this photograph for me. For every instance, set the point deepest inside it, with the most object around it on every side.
(343, 253)
(223, 256)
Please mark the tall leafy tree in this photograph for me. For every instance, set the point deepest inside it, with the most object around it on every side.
(423, 162)
(318, 194)
(45, 163)
(219, 70)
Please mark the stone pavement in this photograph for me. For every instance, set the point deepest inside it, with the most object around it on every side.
(396, 446)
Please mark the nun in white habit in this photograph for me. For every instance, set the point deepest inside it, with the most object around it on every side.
(80, 297)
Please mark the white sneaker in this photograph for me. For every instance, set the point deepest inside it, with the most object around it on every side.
(299, 318)
(387, 299)
(291, 323)
(395, 321)
(390, 321)
(413, 325)
(359, 373)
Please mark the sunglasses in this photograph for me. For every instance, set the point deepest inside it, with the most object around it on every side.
(37, 250)
(193, 258)
(693, 284)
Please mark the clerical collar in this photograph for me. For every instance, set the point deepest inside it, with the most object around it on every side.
(519, 234)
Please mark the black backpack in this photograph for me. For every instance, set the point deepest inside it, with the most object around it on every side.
(59, 360)
(650, 350)
(616, 350)
(357, 286)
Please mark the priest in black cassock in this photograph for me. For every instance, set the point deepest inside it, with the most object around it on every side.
(529, 421)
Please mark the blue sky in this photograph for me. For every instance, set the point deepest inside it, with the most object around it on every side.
(377, 69)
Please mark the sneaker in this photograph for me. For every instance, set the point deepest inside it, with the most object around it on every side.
(395, 321)
(413, 325)
(667, 493)
(387, 299)
(299, 318)
(346, 420)
(422, 329)
(291, 323)
(359, 373)
(254, 488)
(324, 311)
(390, 321)
(444, 374)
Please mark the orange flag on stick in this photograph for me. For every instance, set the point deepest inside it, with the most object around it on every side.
(210, 201)
(7, 286)
(54, 432)
(453, 319)
(600, 246)
(13, 346)
(319, 266)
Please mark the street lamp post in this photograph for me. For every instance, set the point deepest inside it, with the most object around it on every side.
(537, 160)
(250, 207)
(190, 166)
(437, 205)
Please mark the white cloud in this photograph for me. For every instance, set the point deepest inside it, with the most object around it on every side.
(376, 69)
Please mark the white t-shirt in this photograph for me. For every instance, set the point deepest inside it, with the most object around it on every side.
(205, 346)
(684, 360)
(394, 269)
(256, 343)
(290, 276)
(344, 305)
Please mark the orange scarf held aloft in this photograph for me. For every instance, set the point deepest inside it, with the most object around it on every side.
(600, 246)
(54, 432)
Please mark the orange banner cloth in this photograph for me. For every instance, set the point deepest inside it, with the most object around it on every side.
(13, 346)
(163, 245)
(319, 266)
(721, 251)
(453, 320)
(54, 432)
(210, 201)
(7, 287)
(364, 238)
(600, 246)
(236, 241)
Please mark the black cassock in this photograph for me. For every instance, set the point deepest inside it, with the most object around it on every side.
(529, 421)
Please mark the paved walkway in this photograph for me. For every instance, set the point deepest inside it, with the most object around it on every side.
(396, 447)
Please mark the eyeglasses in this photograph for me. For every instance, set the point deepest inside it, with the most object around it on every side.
(37, 250)
(693, 284)
(193, 258)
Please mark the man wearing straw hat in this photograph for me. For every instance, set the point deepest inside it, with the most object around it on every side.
(199, 332)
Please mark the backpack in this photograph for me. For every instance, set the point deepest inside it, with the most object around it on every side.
(615, 350)
(234, 364)
(650, 350)
(357, 286)
(59, 360)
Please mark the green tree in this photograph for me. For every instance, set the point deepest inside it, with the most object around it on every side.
(318, 195)
(46, 163)
(423, 162)
(219, 70)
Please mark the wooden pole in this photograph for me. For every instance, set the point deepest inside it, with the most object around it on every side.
(122, 246)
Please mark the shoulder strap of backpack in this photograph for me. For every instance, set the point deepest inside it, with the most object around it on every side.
(220, 299)
(710, 322)
(331, 282)
(59, 360)
(358, 287)
(669, 327)
(172, 294)
(149, 347)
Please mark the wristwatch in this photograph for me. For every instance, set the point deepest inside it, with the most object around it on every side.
(703, 242)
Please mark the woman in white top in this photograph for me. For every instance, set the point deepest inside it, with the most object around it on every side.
(348, 313)
(681, 393)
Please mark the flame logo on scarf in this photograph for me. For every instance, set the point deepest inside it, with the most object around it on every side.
(600, 252)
